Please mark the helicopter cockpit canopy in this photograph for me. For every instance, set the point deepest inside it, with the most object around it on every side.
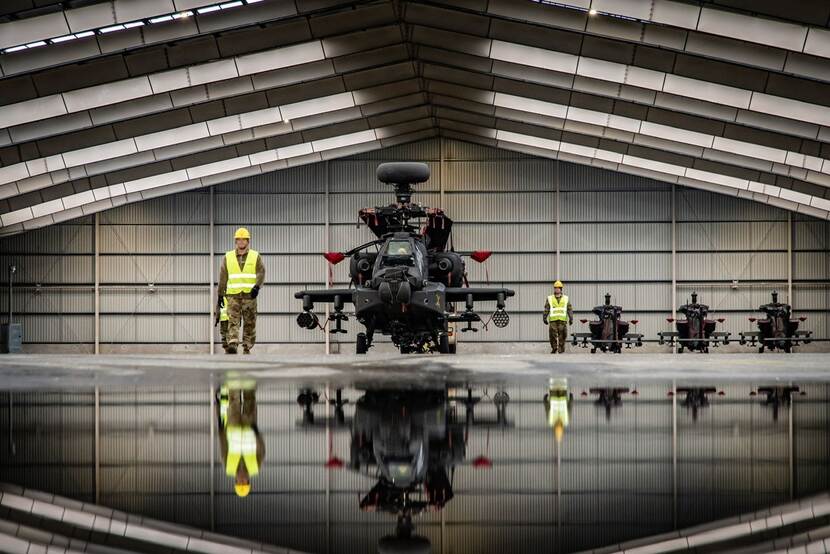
(401, 251)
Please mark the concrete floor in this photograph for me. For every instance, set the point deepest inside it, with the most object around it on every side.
(66, 371)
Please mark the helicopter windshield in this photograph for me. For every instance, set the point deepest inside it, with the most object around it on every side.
(398, 252)
(399, 248)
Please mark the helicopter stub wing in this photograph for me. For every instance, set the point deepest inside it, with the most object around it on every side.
(325, 295)
(459, 294)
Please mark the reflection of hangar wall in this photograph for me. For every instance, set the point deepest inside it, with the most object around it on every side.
(122, 102)
(614, 235)
(155, 459)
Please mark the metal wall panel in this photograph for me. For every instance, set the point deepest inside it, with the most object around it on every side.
(809, 235)
(617, 266)
(49, 329)
(615, 205)
(575, 177)
(49, 268)
(74, 238)
(154, 239)
(501, 207)
(811, 265)
(502, 175)
(516, 237)
(306, 178)
(698, 205)
(185, 208)
(244, 208)
(729, 235)
(623, 237)
(273, 239)
(144, 269)
(52, 301)
(423, 150)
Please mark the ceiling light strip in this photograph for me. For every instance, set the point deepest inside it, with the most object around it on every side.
(174, 16)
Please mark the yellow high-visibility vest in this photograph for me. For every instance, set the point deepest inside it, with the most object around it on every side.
(241, 279)
(223, 311)
(558, 308)
(241, 446)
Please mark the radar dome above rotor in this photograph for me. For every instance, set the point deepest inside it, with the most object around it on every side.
(403, 173)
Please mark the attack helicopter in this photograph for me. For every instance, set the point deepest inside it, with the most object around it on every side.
(697, 331)
(609, 332)
(778, 330)
(406, 281)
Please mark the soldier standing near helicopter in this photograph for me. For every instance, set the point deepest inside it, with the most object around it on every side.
(558, 315)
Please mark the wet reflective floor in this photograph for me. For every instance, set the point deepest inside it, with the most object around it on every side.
(554, 463)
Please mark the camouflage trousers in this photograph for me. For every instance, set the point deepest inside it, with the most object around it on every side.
(241, 313)
(223, 331)
(558, 335)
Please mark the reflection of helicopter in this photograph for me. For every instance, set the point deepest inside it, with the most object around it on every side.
(696, 398)
(414, 444)
(609, 397)
(778, 330)
(609, 332)
(777, 396)
(308, 398)
(412, 440)
(407, 287)
(696, 332)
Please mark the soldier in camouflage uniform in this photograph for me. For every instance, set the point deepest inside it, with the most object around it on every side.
(241, 276)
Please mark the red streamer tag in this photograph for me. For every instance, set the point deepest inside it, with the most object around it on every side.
(334, 257)
(481, 255)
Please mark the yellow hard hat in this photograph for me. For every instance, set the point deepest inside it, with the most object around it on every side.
(242, 490)
(558, 284)
(242, 233)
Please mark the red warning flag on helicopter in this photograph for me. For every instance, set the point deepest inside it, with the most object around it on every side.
(334, 257)
(481, 255)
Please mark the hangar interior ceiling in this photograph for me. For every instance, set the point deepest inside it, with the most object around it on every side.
(599, 230)
(107, 103)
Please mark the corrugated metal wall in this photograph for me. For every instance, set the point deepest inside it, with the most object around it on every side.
(613, 231)
(614, 481)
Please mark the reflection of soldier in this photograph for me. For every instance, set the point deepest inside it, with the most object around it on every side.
(241, 446)
(557, 406)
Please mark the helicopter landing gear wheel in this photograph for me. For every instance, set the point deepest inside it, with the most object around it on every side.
(362, 345)
(760, 350)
